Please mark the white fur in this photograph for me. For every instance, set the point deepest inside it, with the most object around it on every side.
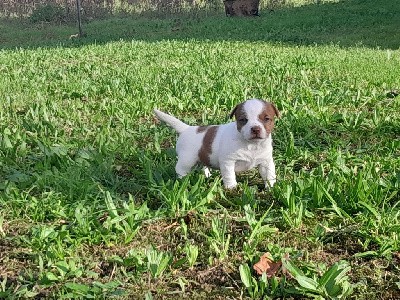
(178, 125)
(232, 151)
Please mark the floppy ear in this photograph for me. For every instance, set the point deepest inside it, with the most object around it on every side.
(277, 113)
(233, 112)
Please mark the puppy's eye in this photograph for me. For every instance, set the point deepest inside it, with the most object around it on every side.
(266, 119)
(243, 120)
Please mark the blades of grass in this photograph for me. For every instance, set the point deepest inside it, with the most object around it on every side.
(112, 209)
(340, 212)
(258, 229)
(2, 232)
(372, 210)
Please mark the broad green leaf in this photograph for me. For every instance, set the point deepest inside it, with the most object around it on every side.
(77, 287)
(112, 209)
(6, 142)
(304, 281)
(50, 276)
(334, 278)
(245, 275)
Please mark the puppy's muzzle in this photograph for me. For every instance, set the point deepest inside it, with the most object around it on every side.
(256, 132)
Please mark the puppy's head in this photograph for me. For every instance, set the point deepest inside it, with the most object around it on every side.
(255, 119)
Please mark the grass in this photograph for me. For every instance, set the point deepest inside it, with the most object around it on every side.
(89, 203)
(344, 23)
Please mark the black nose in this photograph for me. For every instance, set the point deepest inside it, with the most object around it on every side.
(255, 130)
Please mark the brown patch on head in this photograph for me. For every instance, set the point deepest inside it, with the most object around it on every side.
(240, 116)
(206, 147)
(267, 116)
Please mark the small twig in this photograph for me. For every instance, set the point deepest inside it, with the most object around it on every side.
(233, 280)
(113, 271)
(171, 225)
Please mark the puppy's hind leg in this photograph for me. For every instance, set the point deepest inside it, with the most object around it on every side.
(183, 166)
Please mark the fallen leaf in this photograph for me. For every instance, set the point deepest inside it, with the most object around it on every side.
(267, 265)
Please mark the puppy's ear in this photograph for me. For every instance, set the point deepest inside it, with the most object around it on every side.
(277, 113)
(233, 112)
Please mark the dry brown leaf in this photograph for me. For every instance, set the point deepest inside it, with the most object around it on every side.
(267, 265)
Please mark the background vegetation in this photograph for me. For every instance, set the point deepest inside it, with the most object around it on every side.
(89, 203)
(96, 9)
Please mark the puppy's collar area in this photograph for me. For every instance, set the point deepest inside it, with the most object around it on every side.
(259, 141)
(260, 145)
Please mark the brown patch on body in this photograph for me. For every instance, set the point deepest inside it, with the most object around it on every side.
(267, 116)
(208, 139)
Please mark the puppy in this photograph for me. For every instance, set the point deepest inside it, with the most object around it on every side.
(233, 147)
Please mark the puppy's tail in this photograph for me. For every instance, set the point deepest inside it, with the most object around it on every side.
(178, 125)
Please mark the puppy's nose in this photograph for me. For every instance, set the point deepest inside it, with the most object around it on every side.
(255, 130)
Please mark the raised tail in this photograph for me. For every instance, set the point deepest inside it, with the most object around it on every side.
(178, 125)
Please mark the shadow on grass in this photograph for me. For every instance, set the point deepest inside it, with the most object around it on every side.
(346, 23)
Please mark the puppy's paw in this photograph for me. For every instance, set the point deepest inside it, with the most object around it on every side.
(207, 172)
(231, 185)
(269, 184)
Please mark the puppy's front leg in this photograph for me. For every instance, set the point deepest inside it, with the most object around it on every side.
(207, 172)
(267, 172)
(228, 174)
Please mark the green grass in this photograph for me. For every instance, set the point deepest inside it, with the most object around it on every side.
(89, 202)
(344, 23)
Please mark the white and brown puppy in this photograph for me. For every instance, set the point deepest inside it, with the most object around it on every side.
(233, 147)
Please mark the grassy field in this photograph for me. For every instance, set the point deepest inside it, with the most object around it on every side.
(89, 203)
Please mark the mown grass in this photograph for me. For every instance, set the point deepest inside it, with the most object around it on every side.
(344, 23)
(90, 206)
